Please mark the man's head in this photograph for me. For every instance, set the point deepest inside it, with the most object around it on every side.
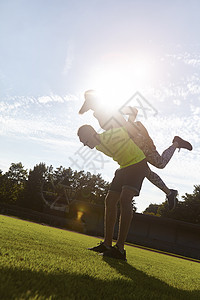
(90, 102)
(88, 136)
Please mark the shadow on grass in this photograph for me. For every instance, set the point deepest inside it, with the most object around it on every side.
(27, 284)
(150, 286)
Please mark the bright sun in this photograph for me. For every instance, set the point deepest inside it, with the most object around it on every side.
(117, 78)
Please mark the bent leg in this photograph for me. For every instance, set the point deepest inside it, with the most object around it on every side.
(167, 154)
(152, 155)
(160, 161)
(111, 201)
(157, 181)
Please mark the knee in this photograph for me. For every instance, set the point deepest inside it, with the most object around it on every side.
(158, 164)
(126, 206)
(111, 200)
(126, 198)
(156, 161)
(161, 165)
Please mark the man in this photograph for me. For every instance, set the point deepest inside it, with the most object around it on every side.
(125, 185)
(141, 138)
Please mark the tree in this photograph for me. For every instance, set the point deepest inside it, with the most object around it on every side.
(57, 190)
(187, 210)
(90, 188)
(12, 183)
(65, 185)
(17, 173)
(63, 176)
(152, 209)
(5, 195)
(45, 186)
(191, 208)
(33, 194)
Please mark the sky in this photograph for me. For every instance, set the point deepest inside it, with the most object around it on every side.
(53, 51)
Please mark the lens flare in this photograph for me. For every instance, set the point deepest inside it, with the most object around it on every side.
(79, 215)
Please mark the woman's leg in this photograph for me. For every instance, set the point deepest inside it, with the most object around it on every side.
(157, 181)
(160, 161)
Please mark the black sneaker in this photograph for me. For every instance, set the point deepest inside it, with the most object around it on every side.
(172, 200)
(114, 252)
(182, 143)
(100, 248)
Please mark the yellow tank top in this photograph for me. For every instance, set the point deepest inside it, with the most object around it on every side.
(117, 144)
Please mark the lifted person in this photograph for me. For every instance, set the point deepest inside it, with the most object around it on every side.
(140, 136)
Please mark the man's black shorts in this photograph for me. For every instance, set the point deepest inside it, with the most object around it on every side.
(130, 177)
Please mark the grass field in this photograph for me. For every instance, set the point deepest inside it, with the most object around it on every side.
(40, 262)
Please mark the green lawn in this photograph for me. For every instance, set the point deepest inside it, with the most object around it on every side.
(40, 262)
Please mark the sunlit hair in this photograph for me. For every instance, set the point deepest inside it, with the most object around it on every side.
(90, 92)
(91, 95)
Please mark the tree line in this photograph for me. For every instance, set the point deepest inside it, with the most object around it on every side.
(45, 186)
(188, 208)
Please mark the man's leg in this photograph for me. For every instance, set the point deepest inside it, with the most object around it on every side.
(126, 214)
(111, 201)
(131, 182)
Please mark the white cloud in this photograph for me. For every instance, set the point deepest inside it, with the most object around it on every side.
(195, 110)
(45, 99)
(187, 58)
(193, 62)
(12, 103)
(177, 102)
(55, 142)
(73, 98)
(193, 88)
(6, 107)
(33, 127)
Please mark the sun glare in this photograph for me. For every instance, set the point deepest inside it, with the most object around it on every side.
(115, 81)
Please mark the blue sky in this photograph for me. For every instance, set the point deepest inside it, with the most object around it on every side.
(52, 51)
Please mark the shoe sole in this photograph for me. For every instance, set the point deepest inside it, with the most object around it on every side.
(175, 202)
